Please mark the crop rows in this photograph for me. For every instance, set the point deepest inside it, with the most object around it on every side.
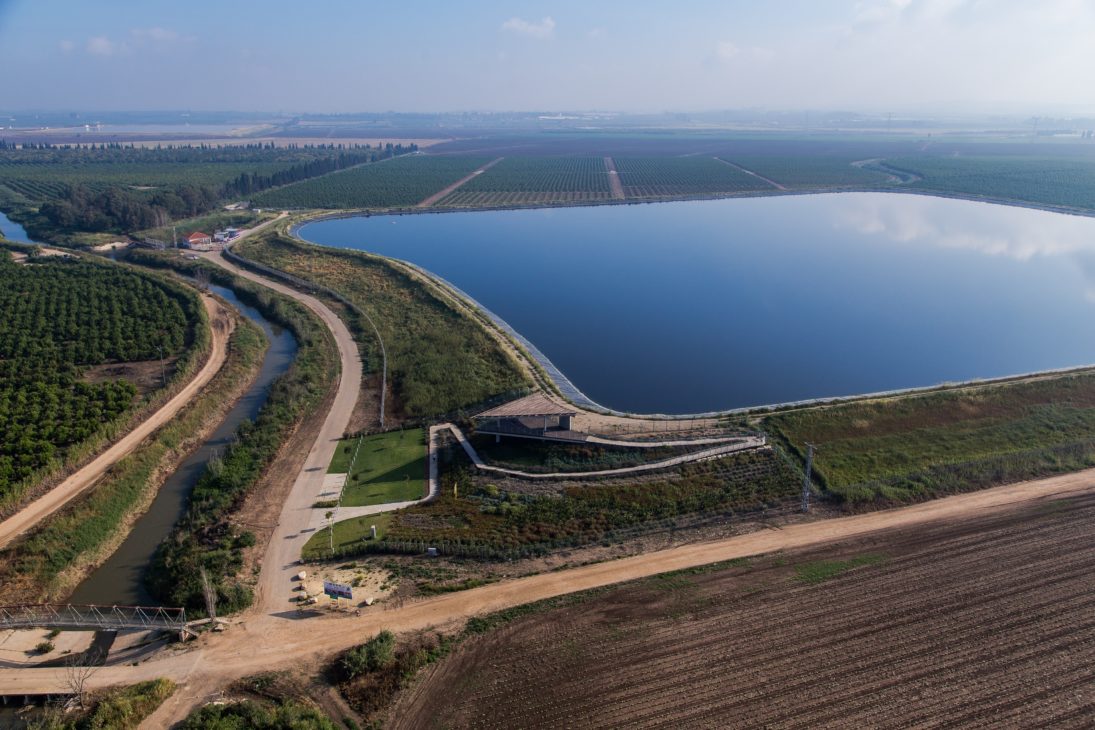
(405, 181)
(462, 198)
(803, 171)
(1041, 180)
(543, 174)
(59, 317)
(982, 625)
(652, 177)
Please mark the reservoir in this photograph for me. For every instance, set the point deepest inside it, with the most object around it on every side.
(696, 306)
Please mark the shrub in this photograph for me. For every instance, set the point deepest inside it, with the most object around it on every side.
(375, 654)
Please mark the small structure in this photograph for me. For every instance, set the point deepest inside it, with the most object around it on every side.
(199, 241)
(228, 234)
(534, 416)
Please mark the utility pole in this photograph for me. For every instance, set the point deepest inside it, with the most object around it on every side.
(806, 477)
(163, 373)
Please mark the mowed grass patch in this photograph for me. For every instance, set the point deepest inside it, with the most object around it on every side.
(390, 467)
(348, 534)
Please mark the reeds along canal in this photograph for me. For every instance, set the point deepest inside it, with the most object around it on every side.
(120, 580)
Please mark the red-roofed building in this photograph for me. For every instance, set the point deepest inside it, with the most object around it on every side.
(200, 241)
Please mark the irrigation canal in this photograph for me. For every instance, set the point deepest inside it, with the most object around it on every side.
(120, 580)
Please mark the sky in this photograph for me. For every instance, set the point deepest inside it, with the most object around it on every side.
(1025, 56)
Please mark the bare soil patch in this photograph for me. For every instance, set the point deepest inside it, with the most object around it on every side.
(145, 375)
(986, 622)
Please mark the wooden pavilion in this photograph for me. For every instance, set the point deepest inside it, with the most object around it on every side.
(534, 416)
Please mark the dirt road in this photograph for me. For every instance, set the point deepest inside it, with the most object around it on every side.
(277, 637)
(222, 323)
(747, 171)
(439, 195)
(279, 565)
(614, 179)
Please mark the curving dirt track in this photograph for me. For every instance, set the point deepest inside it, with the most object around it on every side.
(222, 324)
(986, 623)
(275, 588)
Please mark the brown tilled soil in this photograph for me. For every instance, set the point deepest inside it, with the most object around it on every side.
(980, 623)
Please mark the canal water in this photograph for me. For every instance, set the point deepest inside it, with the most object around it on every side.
(12, 231)
(695, 306)
(120, 581)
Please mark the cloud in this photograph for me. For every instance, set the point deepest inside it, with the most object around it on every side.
(543, 30)
(101, 46)
(67, 46)
(158, 35)
(727, 50)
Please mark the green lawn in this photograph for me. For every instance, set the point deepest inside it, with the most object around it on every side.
(347, 534)
(390, 467)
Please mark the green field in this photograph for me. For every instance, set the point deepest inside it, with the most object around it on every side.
(810, 171)
(388, 467)
(517, 180)
(349, 534)
(652, 177)
(402, 182)
(1047, 180)
(923, 446)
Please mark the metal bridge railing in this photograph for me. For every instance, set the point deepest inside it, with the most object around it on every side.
(47, 616)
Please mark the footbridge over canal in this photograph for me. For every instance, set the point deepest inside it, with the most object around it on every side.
(94, 618)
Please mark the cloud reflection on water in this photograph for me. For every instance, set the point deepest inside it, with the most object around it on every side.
(996, 230)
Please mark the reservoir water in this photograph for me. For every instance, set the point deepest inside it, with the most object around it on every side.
(120, 580)
(704, 305)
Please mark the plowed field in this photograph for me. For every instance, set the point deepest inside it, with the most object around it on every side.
(988, 623)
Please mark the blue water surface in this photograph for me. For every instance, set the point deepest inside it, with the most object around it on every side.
(703, 305)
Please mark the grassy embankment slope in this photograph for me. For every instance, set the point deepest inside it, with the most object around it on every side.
(917, 447)
(440, 361)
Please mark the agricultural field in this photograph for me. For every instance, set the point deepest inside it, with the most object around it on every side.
(439, 360)
(924, 446)
(810, 171)
(383, 467)
(40, 173)
(534, 180)
(982, 623)
(1045, 180)
(401, 182)
(658, 177)
(62, 319)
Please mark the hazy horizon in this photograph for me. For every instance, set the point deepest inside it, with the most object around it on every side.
(901, 56)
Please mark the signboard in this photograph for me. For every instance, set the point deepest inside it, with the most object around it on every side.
(337, 590)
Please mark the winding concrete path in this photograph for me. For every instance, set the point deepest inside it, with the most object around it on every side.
(747, 443)
(221, 325)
